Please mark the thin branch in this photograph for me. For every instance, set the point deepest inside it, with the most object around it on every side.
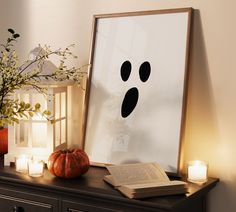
(34, 61)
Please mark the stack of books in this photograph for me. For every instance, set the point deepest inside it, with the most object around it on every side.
(143, 180)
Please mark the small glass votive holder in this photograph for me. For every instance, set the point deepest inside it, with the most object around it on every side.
(35, 168)
(21, 163)
(197, 171)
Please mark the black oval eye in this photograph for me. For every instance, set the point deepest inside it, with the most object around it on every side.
(144, 71)
(125, 70)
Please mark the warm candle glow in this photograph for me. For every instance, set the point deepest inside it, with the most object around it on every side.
(197, 171)
(22, 163)
(35, 168)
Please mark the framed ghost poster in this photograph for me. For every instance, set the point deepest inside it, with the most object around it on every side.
(135, 101)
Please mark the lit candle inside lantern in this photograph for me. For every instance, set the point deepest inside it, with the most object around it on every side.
(197, 171)
(22, 164)
(36, 168)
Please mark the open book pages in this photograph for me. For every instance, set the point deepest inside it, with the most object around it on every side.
(128, 174)
(160, 186)
(109, 179)
(143, 180)
(154, 193)
(157, 186)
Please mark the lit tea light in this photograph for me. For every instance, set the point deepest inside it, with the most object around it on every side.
(197, 171)
(22, 163)
(36, 168)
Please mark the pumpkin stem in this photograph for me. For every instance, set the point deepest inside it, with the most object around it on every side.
(65, 151)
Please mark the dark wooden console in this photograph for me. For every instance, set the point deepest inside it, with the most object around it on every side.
(21, 193)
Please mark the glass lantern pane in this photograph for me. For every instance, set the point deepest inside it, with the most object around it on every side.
(63, 104)
(39, 134)
(57, 106)
(63, 131)
(38, 117)
(22, 134)
(57, 133)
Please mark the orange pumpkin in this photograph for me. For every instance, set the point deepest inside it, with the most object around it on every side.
(68, 163)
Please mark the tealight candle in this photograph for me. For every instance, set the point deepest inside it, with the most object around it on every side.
(22, 163)
(36, 168)
(197, 171)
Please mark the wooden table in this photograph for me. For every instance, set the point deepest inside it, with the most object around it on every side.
(21, 193)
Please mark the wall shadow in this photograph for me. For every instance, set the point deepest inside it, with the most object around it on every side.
(202, 136)
(201, 133)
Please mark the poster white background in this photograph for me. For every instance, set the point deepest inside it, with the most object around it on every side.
(152, 131)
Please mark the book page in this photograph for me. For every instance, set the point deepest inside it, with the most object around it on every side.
(137, 173)
(139, 195)
(109, 179)
(163, 185)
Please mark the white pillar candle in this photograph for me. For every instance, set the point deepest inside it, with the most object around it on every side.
(197, 171)
(36, 168)
(22, 163)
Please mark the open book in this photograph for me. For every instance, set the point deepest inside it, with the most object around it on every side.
(143, 180)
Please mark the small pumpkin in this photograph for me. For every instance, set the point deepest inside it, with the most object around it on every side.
(68, 163)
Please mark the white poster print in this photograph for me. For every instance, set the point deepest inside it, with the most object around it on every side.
(137, 88)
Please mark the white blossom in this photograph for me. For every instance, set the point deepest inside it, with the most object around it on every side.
(14, 76)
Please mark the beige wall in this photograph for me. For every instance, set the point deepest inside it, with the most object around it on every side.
(210, 131)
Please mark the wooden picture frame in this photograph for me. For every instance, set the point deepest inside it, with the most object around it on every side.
(136, 90)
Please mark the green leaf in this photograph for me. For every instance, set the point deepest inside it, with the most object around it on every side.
(31, 114)
(22, 105)
(11, 31)
(15, 120)
(27, 106)
(16, 36)
(47, 112)
(53, 121)
(37, 106)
